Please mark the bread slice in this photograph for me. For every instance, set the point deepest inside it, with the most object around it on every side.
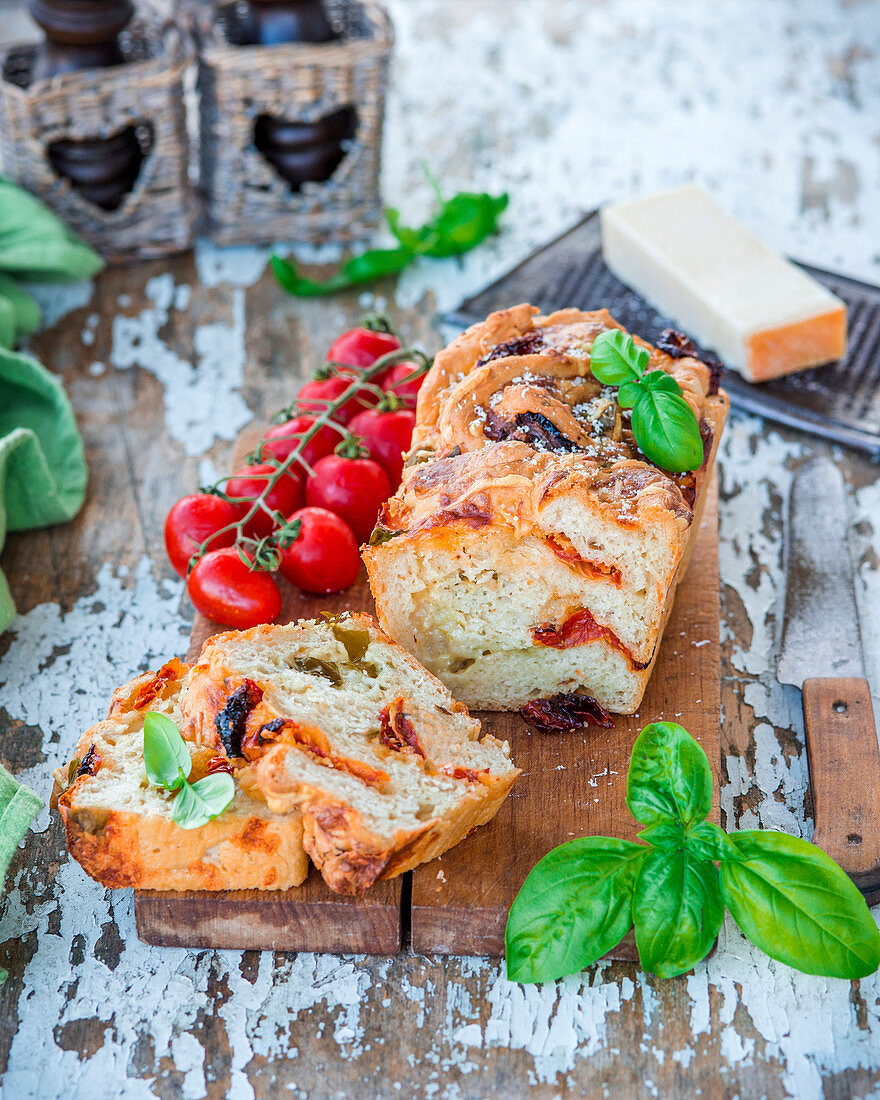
(120, 828)
(386, 767)
(342, 746)
(531, 550)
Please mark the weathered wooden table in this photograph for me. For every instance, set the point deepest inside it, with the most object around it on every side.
(775, 107)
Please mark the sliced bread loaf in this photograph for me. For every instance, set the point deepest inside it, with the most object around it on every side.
(342, 724)
(340, 743)
(120, 828)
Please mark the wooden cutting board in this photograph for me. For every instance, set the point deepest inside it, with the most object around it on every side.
(572, 784)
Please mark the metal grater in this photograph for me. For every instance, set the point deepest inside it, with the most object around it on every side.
(840, 401)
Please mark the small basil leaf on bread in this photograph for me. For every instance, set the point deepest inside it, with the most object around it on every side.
(198, 803)
(166, 755)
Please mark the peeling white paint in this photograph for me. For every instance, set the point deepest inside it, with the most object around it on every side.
(202, 402)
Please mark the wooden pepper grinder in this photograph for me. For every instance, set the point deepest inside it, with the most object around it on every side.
(83, 34)
(299, 151)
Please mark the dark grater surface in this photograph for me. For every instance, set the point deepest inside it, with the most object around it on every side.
(840, 401)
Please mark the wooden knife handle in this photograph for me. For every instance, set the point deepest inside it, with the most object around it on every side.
(845, 775)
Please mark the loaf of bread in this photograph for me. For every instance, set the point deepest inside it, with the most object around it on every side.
(342, 748)
(531, 550)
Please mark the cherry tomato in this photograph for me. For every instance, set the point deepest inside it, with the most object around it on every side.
(315, 396)
(285, 496)
(224, 589)
(392, 379)
(361, 347)
(387, 436)
(191, 521)
(283, 438)
(325, 557)
(353, 488)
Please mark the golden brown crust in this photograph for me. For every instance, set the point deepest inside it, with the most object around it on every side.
(235, 852)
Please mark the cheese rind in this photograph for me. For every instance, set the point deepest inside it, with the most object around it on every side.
(691, 260)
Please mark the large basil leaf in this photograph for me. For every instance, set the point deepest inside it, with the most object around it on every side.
(666, 430)
(166, 755)
(677, 911)
(574, 906)
(25, 311)
(36, 243)
(669, 776)
(7, 323)
(798, 906)
(615, 358)
(198, 803)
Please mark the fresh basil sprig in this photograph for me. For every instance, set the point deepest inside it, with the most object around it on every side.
(788, 897)
(168, 763)
(458, 225)
(663, 423)
(35, 245)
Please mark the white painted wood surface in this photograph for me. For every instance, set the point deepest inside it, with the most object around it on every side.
(774, 105)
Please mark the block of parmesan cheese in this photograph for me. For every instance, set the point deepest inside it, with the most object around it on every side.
(731, 292)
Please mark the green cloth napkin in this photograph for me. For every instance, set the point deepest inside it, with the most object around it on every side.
(42, 461)
(18, 808)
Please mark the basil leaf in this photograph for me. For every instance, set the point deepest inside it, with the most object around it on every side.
(573, 908)
(7, 323)
(413, 239)
(667, 835)
(677, 911)
(462, 222)
(25, 309)
(669, 777)
(615, 358)
(667, 431)
(798, 906)
(166, 755)
(705, 840)
(36, 243)
(198, 803)
(628, 394)
(660, 382)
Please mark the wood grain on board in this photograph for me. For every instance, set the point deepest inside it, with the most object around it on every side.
(575, 783)
(572, 784)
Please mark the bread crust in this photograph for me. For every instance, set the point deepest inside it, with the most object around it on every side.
(524, 478)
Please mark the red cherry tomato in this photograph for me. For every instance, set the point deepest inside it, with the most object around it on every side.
(192, 520)
(353, 488)
(387, 436)
(285, 496)
(283, 438)
(393, 380)
(224, 589)
(324, 558)
(315, 396)
(361, 347)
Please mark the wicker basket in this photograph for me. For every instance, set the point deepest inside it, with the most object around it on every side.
(157, 215)
(246, 200)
